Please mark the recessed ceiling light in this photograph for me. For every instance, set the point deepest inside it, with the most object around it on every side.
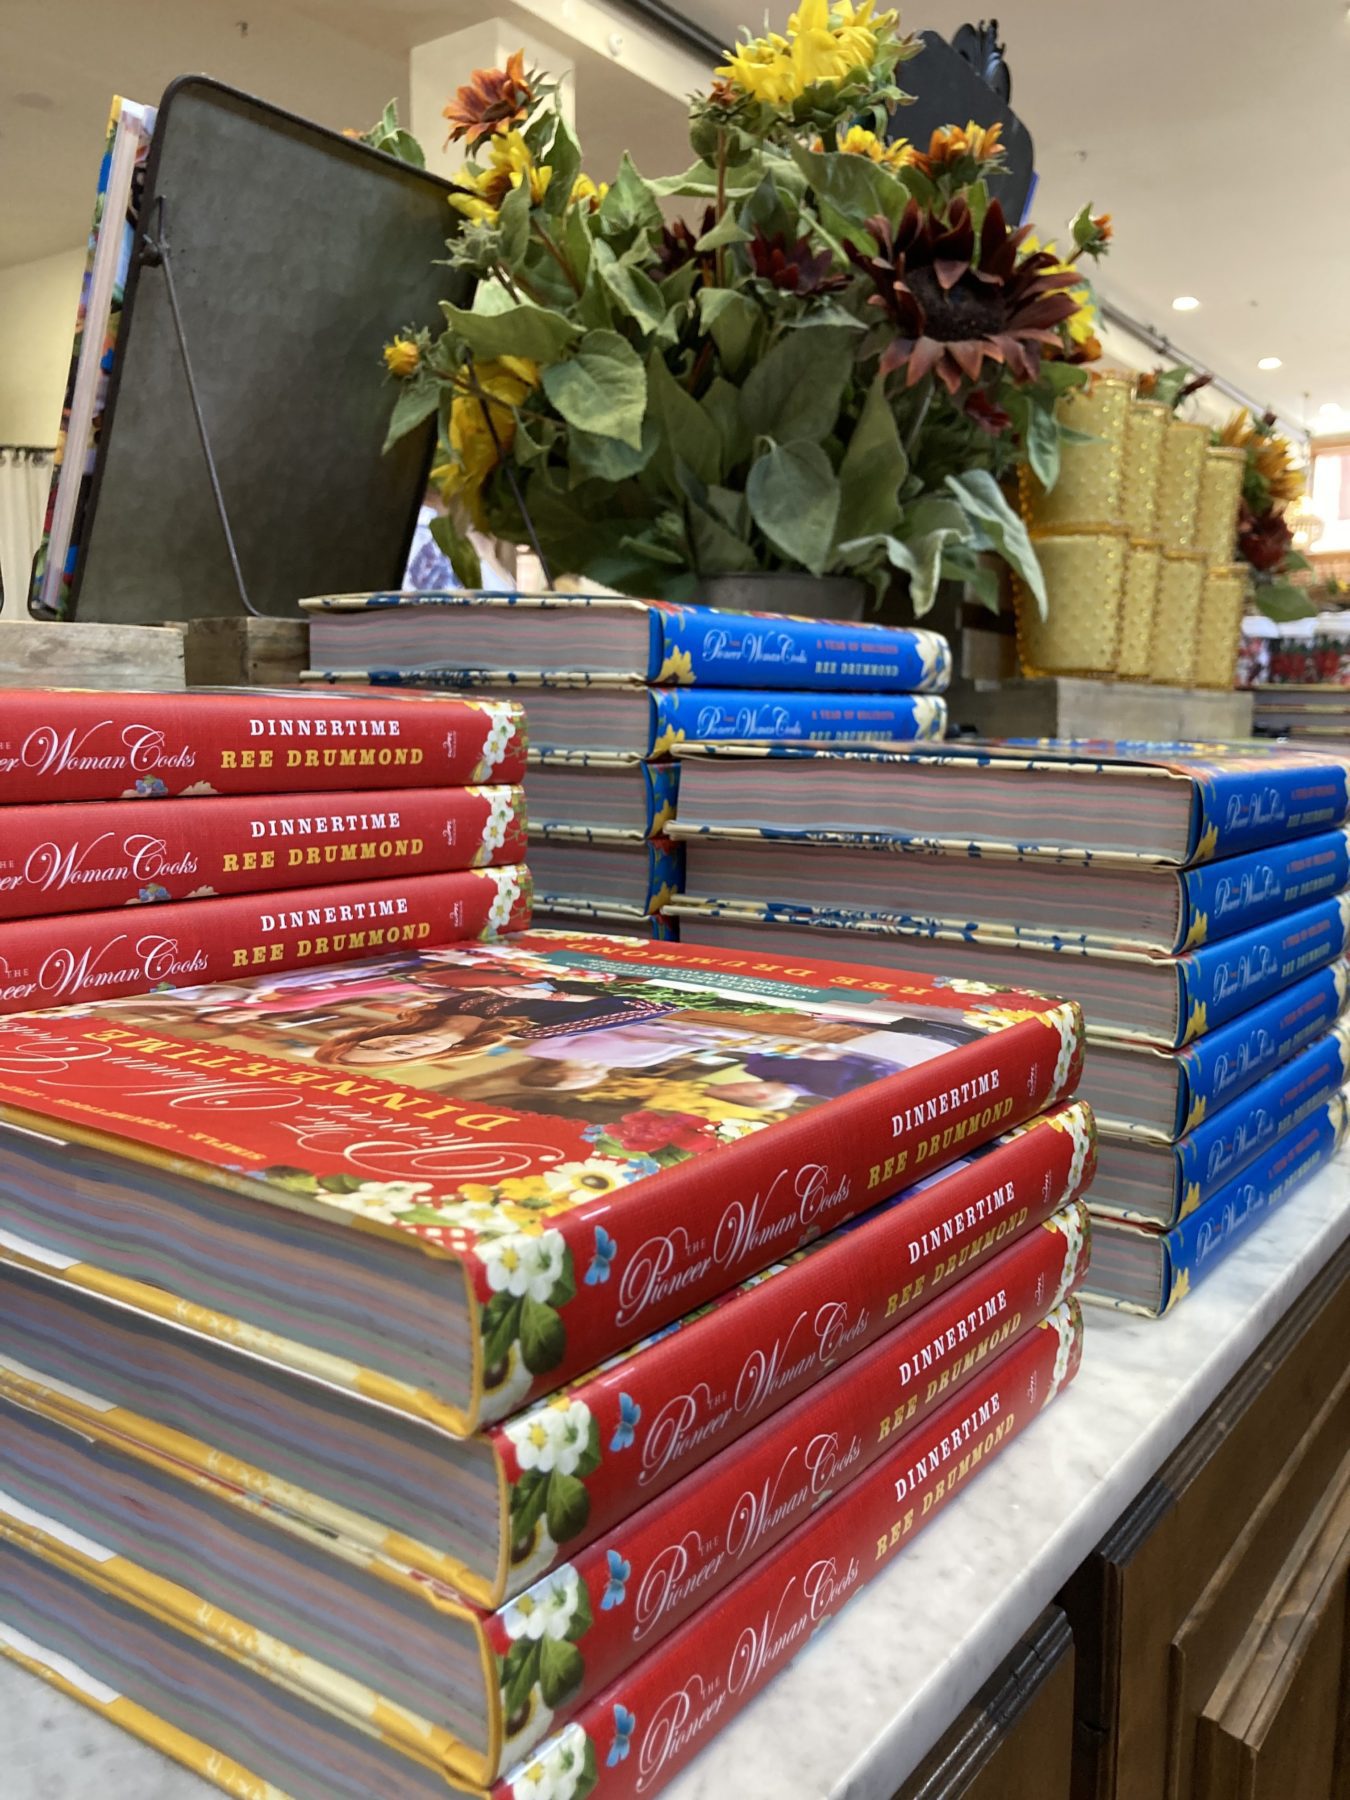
(1329, 408)
(1269, 362)
(1185, 303)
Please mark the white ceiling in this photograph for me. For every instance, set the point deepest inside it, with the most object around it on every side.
(1213, 133)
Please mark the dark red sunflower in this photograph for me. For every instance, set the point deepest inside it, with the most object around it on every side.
(677, 247)
(796, 267)
(956, 302)
(492, 100)
(1263, 538)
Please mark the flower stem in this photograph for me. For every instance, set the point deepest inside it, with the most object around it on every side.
(917, 423)
(719, 255)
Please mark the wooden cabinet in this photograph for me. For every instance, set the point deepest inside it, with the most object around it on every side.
(1015, 1739)
(1210, 1625)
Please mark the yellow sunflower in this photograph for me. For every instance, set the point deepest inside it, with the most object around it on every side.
(401, 357)
(953, 144)
(475, 445)
(1268, 453)
(480, 192)
(859, 141)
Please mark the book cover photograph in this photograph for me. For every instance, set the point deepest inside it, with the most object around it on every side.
(583, 1137)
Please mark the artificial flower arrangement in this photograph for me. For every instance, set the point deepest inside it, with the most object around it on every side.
(830, 364)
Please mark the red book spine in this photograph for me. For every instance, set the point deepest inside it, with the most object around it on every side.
(636, 1735)
(67, 744)
(97, 956)
(691, 1232)
(633, 1589)
(77, 858)
(665, 1408)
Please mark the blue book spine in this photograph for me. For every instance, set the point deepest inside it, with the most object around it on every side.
(1196, 1246)
(700, 646)
(1226, 897)
(1261, 802)
(1223, 980)
(682, 715)
(662, 782)
(1226, 1143)
(1216, 1069)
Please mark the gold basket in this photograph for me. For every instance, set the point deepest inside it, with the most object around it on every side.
(1084, 577)
(1183, 460)
(1220, 495)
(1090, 475)
(1220, 627)
(1176, 617)
(1139, 597)
(1145, 428)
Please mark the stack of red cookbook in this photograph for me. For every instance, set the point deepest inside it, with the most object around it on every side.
(247, 830)
(492, 1363)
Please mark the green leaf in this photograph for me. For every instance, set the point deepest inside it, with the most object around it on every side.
(582, 1617)
(519, 1672)
(682, 425)
(637, 294)
(1041, 436)
(464, 559)
(873, 469)
(568, 1506)
(722, 403)
(730, 318)
(725, 232)
(699, 182)
(340, 1184)
(543, 1336)
(852, 187)
(795, 390)
(982, 499)
(513, 225)
(717, 551)
(585, 1783)
(602, 388)
(563, 156)
(565, 1287)
(501, 1318)
(561, 1668)
(515, 329)
(630, 203)
(528, 1499)
(589, 1460)
(417, 400)
(606, 459)
(794, 497)
(1282, 601)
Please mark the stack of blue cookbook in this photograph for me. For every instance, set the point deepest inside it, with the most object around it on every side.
(1193, 901)
(611, 686)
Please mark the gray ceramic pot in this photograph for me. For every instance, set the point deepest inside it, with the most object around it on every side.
(786, 591)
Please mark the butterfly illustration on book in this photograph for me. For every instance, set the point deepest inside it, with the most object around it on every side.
(616, 1586)
(624, 1724)
(605, 1251)
(629, 1414)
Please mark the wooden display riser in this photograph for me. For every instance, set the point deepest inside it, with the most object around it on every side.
(237, 652)
(1071, 707)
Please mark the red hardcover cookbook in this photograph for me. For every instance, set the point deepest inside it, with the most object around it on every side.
(80, 957)
(230, 1567)
(93, 854)
(526, 1494)
(585, 1137)
(81, 744)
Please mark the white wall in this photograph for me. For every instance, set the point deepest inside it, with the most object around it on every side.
(37, 330)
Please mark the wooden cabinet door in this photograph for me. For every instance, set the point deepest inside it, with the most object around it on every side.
(1014, 1741)
(1269, 1728)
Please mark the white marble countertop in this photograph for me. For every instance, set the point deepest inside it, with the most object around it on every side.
(855, 1713)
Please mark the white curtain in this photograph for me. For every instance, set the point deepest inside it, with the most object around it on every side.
(25, 476)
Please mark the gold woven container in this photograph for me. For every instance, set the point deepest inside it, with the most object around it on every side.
(1139, 596)
(1183, 460)
(1176, 617)
(1084, 576)
(1220, 627)
(1220, 495)
(1090, 475)
(1145, 428)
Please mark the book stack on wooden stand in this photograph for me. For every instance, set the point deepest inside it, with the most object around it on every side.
(434, 1368)
(156, 839)
(611, 686)
(1196, 906)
